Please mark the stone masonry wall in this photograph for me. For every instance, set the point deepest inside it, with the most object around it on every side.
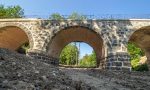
(115, 35)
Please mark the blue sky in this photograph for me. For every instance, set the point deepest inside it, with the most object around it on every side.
(89, 7)
(84, 49)
(46, 7)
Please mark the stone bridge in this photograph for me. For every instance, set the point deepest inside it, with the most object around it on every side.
(108, 38)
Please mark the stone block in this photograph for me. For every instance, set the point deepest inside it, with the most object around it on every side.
(109, 64)
(115, 68)
(126, 68)
(127, 64)
(118, 64)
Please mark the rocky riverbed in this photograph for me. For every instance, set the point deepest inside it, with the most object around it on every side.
(20, 72)
(110, 80)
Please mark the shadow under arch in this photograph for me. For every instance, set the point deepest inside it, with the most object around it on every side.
(74, 34)
(12, 37)
(21, 27)
(141, 37)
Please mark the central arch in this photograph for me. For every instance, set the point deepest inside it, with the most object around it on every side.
(75, 34)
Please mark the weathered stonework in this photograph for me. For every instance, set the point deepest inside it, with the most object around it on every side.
(115, 35)
(44, 58)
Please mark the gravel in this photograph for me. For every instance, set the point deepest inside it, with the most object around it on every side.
(110, 80)
(19, 72)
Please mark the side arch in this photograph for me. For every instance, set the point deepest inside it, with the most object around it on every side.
(23, 28)
(141, 37)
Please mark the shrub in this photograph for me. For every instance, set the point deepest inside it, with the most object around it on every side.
(23, 48)
(135, 54)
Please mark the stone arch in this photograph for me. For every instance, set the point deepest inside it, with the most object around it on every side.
(23, 28)
(141, 37)
(77, 33)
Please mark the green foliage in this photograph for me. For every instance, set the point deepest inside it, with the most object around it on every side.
(23, 48)
(11, 12)
(134, 51)
(88, 60)
(69, 55)
(56, 16)
(143, 67)
(77, 16)
(73, 16)
(135, 54)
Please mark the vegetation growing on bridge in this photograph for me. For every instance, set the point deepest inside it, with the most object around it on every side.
(73, 16)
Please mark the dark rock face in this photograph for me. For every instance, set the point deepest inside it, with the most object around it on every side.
(19, 72)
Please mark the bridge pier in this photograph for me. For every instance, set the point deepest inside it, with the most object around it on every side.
(118, 61)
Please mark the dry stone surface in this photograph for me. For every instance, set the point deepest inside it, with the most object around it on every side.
(19, 72)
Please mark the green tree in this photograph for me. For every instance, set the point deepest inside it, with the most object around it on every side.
(11, 12)
(73, 16)
(68, 55)
(56, 16)
(77, 16)
(135, 54)
(88, 60)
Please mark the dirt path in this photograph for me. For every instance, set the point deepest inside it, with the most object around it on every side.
(102, 83)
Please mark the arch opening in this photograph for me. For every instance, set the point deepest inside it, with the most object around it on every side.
(77, 34)
(78, 55)
(14, 38)
(139, 49)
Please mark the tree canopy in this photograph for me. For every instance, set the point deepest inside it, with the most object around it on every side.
(73, 16)
(11, 12)
(77, 16)
(56, 16)
(88, 60)
(69, 55)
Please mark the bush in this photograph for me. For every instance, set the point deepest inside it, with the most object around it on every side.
(23, 48)
(143, 67)
(135, 54)
(88, 60)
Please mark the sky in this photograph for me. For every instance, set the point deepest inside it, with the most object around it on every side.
(87, 7)
(92, 7)
(84, 49)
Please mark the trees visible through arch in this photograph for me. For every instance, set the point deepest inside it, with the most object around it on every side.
(137, 57)
(139, 48)
(69, 55)
(78, 54)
